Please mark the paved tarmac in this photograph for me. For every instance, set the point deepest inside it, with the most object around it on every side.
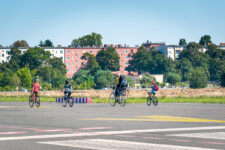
(102, 127)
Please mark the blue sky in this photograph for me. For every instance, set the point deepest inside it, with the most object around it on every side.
(130, 22)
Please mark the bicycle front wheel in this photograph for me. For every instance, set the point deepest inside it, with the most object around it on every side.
(149, 101)
(71, 102)
(64, 101)
(31, 102)
(122, 100)
(112, 99)
(155, 101)
(38, 102)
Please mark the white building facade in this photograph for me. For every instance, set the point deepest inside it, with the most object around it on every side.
(4, 53)
(56, 52)
(171, 51)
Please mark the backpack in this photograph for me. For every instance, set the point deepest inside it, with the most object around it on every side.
(156, 87)
(123, 80)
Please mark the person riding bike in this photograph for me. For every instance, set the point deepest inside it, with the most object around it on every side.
(36, 87)
(67, 88)
(155, 88)
(117, 85)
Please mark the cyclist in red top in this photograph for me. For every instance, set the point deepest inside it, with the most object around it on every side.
(36, 87)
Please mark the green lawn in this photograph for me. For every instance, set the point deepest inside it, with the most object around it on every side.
(129, 100)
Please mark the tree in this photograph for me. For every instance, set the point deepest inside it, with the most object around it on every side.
(6, 78)
(48, 43)
(139, 61)
(35, 57)
(103, 79)
(41, 44)
(194, 46)
(84, 79)
(205, 40)
(1, 46)
(146, 80)
(130, 81)
(15, 80)
(15, 59)
(19, 43)
(91, 64)
(172, 78)
(108, 59)
(25, 77)
(198, 78)
(222, 78)
(182, 42)
(57, 63)
(92, 39)
(185, 68)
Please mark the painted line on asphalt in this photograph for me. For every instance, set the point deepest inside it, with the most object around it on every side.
(179, 140)
(211, 135)
(216, 143)
(110, 133)
(128, 136)
(9, 133)
(103, 144)
(153, 138)
(95, 128)
(54, 130)
(157, 118)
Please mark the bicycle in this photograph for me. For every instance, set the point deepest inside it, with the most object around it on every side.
(66, 100)
(120, 98)
(153, 99)
(34, 98)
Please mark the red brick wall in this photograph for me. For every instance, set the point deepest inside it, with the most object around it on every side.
(73, 59)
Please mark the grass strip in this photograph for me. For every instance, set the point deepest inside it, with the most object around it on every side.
(220, 100)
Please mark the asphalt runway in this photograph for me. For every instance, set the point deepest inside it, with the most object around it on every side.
(102, 127)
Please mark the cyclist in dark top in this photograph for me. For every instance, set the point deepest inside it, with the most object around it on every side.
(67, 88)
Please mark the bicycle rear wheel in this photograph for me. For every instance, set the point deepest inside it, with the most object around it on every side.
(37, 101)
(31, 101)
(64, 101)
(149, 101)
(122, 100)
(71, 102)
(112, 99)
(155, 101)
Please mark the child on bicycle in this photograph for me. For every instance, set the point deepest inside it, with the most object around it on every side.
(67, 88)
(155, 88)
(36, 87)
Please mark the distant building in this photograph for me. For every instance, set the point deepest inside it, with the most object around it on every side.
(56, 52)
(4, 53)
(150, 44)
(171, 51)
(74, 62)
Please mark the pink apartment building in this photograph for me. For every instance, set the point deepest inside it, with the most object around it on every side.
(73, 59)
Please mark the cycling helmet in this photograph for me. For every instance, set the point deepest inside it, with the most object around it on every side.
(66, 81)
(153, 82)
(35, 79)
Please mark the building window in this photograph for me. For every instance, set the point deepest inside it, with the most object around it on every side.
(121, 61)
(7, 58)
(3, 55)
(61, 52)
(68, 52)
(68, 58)
(68, 64)
(72, 58)
(125, 51)
(61, 58)
(7, 52)
(121, 54)
(3, 61)
(90, 52)
(76, 55)
(68, 70)
(126, 57)
(76, 61)
(131, 51)
(127, 64)
(76, 67)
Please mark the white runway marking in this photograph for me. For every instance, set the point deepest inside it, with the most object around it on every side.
(102, 144)
(211, 135)
(109, 133)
